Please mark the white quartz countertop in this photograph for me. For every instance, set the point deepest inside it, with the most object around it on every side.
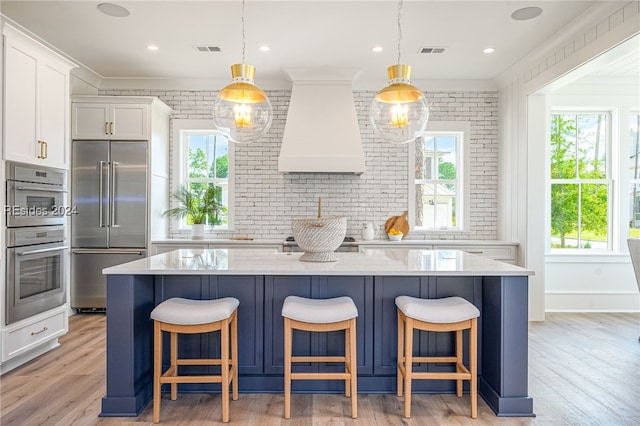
(272, 262)
(410, 242)
(225, 241)
(380, 242)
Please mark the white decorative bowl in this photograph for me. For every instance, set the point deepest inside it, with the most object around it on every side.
(319, 237)
(397, 237)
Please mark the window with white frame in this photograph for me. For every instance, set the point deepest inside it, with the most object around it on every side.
(203, 158)
(580, 180)
(634, 168)
(438, 168)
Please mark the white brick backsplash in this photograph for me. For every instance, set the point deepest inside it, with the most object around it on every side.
(267, 200)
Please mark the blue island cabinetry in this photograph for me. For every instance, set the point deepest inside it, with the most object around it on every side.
(132, 294)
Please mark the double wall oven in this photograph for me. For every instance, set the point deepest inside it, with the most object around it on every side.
(37, 254)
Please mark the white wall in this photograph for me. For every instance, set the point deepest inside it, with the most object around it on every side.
(598, 282)
(267, 200)
(522, 207)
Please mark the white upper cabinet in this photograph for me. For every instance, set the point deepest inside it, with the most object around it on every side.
(100, 121)
(36, 102)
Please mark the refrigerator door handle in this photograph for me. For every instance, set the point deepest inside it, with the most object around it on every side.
(114, 165)
(107, 251)
(101, 165)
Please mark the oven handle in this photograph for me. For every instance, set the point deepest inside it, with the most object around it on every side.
(38, 188)
(106, 251)
(47, 250)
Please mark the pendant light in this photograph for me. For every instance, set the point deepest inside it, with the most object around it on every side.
(399, 112)
(242, 112)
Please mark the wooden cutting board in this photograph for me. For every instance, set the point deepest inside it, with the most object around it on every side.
(398, 222)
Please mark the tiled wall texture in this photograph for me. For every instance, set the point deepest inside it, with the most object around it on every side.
(267, 200)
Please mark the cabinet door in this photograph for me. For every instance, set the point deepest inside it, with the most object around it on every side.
(53, 115)
(20, 112)
(387, 288)
(277, 288)
(90, 121)
(129, 122)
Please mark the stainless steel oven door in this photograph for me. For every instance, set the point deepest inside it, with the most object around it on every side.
(34, 204)
(36, 277)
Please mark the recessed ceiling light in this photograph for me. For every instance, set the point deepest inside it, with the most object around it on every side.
(113, 9)
(377, 49)
(489, 50)
(152, 47)
(526, 13)
(264, 48)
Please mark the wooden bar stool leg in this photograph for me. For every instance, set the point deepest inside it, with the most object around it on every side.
(400, 374)
(157, 369)
(234, 355)
(224, 369)
(347, 363)
(174, 363)
(458, 361)
(287, 368)
(408, 365)
(353, 368)
(473, 364)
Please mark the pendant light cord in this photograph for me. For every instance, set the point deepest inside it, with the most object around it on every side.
(399, 29)
(243, 37)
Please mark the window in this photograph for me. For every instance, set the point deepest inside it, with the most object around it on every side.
(438, 185)
(203, 158)
(580, 180)
(634, 168)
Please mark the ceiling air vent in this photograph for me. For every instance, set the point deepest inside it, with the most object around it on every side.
(205, 48)
(431, 50)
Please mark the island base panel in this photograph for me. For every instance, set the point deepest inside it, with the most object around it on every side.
(519, 406)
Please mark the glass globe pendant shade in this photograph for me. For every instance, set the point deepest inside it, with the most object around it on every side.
(399, 112)
(242, 112)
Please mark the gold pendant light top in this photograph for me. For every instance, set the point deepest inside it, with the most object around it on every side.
(400, 89)
(243, 89)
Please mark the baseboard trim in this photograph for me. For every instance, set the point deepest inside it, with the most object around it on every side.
(592, 302)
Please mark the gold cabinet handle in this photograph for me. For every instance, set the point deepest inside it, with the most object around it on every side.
(40, 150)
(46, 149)
(106, 131)
(111, 128)
(33, 333)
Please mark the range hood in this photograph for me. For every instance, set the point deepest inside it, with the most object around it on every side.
(321, 134)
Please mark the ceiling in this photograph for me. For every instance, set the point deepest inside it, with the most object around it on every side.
(299, 34)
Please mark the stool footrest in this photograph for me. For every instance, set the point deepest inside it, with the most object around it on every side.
(431, 359)
(320, 376)
(201, 361)
(441, 376)
(318, 359)
(190, 379)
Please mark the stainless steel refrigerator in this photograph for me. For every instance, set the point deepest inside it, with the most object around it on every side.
(109, 193)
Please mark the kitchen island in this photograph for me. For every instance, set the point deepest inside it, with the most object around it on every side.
(261, 279)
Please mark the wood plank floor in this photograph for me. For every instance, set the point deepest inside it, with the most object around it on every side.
(584, 369)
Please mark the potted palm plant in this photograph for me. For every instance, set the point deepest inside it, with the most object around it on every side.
(197, 205)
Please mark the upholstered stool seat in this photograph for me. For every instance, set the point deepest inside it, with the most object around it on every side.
(321, 315)
(186, 316)
(438, 315)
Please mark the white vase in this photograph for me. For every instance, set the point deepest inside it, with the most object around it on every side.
(197, 231)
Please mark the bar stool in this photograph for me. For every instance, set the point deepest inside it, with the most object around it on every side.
(321, 315)
(185, 316)
(446, 314)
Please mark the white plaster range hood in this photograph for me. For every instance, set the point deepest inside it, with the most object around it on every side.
(321, 134)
